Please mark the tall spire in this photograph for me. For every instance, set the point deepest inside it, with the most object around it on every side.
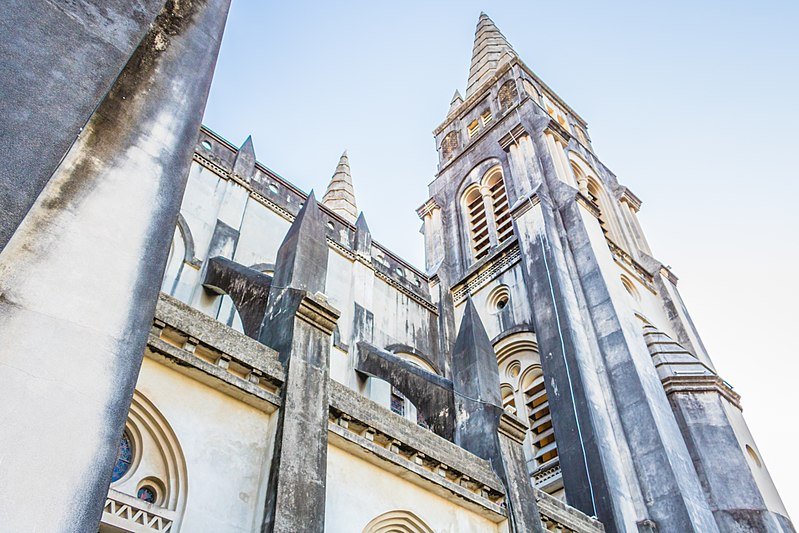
(340, 195)
(490, 46)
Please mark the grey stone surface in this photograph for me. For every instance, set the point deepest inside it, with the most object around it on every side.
(59, 61)
(431, 394)
(302, 257)
(248, 288)
(85, 267)
(244, 164)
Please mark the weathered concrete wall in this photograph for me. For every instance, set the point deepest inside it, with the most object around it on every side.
(227, 446)
(358, 491)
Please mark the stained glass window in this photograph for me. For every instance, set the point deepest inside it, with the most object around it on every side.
(124, 458)
(147, 494)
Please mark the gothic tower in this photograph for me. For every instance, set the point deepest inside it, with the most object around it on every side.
(629, 420)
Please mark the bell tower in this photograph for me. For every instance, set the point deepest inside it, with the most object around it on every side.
(525, 221)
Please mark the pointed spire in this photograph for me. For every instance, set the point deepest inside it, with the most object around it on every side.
(301, 261)
(363, 237)
(244, 164)
(490, 47)
(457, 100)
(340, 195)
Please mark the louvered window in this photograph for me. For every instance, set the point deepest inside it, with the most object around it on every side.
(478, 224)
(486, 117)
(499, 202)
(473, 128)
(543, 434)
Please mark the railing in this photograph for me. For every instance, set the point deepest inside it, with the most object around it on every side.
(135, 515)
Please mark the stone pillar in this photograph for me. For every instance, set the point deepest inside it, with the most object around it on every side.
(298, 324)
(663, 467)
(520, 494)
(59, 61)
(482, 427)
(708, 412)
(592, 463)
(80, 277)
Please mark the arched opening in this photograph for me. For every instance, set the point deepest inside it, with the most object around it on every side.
(629, 286)
(478, 222)
(522, 379)
(397, 522)
(508, 401)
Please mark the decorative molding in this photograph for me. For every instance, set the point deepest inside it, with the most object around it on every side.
(316, 311)
(523, 205)
(701, 383)
(131, 514)
(625, 259)
(513, 427)
(626, 195)
(586, 202)
(514, 134)
(428, 207)
(497, 265)
(413, 296)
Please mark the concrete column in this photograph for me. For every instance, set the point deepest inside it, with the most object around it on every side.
(59, 61)
(739, 489)
(592, 463)
(524, 514)
(298, 324)
(665, 473)
(483, 428)
(80, 277)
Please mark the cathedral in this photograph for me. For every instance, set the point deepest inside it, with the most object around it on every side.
(191, 343)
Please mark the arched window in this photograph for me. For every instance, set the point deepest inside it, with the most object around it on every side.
(499, 204)
(543, 434)
(488, 213)
(508, 401)
(629, 286)
(520, 370)
(397, 521)
(478, 222)
(591, 187)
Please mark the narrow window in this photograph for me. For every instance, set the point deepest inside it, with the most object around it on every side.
(478, 225)
(543, 434)
(473, 128)
(499, 202)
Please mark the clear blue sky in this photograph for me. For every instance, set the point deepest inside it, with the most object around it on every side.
(692, 104)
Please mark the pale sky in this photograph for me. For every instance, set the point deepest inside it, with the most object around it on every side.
(693, 105)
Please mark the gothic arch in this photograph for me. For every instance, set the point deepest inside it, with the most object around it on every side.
(397, 522)
(485, 209)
